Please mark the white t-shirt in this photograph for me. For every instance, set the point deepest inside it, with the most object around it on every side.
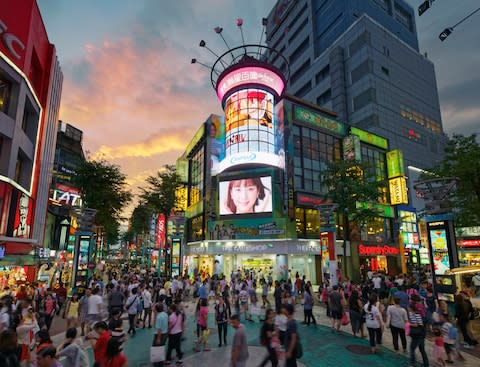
(94, 304)
(147, 299)
(371, 317)
(281, 322)
(377, 282)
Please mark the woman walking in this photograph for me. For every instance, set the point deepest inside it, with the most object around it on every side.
(72, 311)
(222, 315)
(417, 335)
(267, 333)
(396, 319)
(175, 327)
(355, 306)
(373, 320)
(464, 313)
(308, 306)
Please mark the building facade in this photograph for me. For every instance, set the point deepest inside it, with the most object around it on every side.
(361, 60)
(30, 89)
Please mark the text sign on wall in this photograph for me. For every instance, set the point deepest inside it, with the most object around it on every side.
(370, 138)
(395, 166)
(398, 191)
(302, 114)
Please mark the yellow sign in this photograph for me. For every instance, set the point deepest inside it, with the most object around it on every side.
(257, 263)
(398, 191)
(181, 196)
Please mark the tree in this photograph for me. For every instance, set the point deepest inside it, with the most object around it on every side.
(160, 191)
(103, 187)
(349, 183)
(462, 160)
(140, 219)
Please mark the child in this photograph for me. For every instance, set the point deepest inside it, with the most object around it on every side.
(449, 333)
(438, 347)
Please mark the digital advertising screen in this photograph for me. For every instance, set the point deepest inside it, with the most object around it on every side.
(251, 131)
(441, 260)
(246, 196)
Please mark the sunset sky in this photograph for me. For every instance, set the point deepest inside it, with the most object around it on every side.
(130, 86)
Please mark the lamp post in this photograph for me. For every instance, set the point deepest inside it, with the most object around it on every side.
(85, 218)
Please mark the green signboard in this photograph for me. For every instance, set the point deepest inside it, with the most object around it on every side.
(194, 210)
(196, 138)
(250, 229)
(384, 210)
(314, 118)
(395, 166)
(370, 138)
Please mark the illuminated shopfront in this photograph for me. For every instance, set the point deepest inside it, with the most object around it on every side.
(378, 257)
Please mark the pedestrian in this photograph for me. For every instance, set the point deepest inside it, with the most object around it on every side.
(308, 306)
(161, 326)
(239, 355)
(72, 351)
(417, 335)
(114, 356)
(222, 315)
(267, 333)
(336, 303)
(147, 307)
(94, 312)
(265, 300)
(175, 327)
(9, 350)
(100, 338)
(116, 299)
(132, 308)
(438, 352)
(83, 310)
(42, 340)
(277, 295)
(115, 326)
(47, 358)
(281, 325)
(396, 319)
(356, 313)
(72, 311)
(464, 313)
(292, 338)
(49, 307)
(373, 320)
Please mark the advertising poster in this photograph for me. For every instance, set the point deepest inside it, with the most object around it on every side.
(441, 261)
(246, 196)
(216, 141)
(23, 217)
(239, 229)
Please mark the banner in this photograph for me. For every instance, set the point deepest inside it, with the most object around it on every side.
(246, 229)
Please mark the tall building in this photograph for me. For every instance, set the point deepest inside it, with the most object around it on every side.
(361, 60)
(30, 89)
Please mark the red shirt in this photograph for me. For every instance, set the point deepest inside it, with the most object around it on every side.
(118, 361)
(101, 347)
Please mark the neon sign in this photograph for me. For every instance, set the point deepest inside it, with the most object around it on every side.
(250, 75)
(377, 250)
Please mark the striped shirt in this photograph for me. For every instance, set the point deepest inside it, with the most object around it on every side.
(415, 318)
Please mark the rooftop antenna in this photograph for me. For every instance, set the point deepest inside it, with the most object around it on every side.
(218, 30)
(204, 45)
(195, 61)
(239, 22)
(264, 31)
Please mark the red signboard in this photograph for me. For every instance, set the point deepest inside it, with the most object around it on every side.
(328, 239)
(310, 200)
(469, 243)
(23, 217)
(378, 250)
(160, 230)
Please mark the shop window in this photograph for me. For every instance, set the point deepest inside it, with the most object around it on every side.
(30, 121)
(312, 223)
(300, 221)
(5, 91)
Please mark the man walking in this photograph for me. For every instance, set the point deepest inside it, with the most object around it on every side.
(239, 354)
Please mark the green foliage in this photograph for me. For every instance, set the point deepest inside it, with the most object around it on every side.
(347, 184)
(140, 219)
(160, 191)
(103, 187)
(462, 160)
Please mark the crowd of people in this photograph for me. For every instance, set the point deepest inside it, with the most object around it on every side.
(94, 317)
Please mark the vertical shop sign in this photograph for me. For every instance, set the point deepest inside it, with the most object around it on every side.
(160, 242)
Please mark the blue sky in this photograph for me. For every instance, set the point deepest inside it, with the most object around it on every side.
(129, 84)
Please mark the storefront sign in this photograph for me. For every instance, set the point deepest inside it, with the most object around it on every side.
(467, 231)
(327, 242)
(250, 75)
(315, 118)
(398, 191)
(309, 200)
(352, 150)
(160, 241)
(11, 42)
(23, 217)
(67, 195)
(378, 250)
(384, 210)
(469, 243)
(246, 229)
(395, 166)
(256, 247)
(370, 138)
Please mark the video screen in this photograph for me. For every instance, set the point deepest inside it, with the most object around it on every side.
(246, 196)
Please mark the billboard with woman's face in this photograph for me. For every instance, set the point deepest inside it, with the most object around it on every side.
(246, 196)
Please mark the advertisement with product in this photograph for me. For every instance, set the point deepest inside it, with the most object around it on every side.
(216, 142)
(246, 229)
(250, 130)
(441, 262)
(246, 196)
(23, 216)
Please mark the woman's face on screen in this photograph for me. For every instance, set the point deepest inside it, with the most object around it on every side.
(244, 195)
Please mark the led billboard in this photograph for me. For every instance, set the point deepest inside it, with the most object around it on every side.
(246, 196)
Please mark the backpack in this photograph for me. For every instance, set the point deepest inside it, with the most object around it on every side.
(452, 333)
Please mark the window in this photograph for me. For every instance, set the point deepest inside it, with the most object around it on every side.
(307, 222)
(363, 99)
(385, 71)
(361, 70)
(299, 51)
(367, 122)
(361, 41)
(30, 120)
(196, 229)
(297, 31)
(384, 4)
(374, 160)
(403, 17)
(300, 71)
(412, 115)
(5, 91)
(196, 176)
(325, 97)
(304, 90)
(322, 74)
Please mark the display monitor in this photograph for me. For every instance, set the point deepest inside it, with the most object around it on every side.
(246, 196)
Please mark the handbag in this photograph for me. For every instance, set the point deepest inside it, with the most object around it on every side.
(157, 353)
(345, 319)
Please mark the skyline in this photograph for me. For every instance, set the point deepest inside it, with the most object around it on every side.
(129, 84)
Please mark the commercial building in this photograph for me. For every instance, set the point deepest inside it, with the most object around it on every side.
(361, 60)
(30, 89)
